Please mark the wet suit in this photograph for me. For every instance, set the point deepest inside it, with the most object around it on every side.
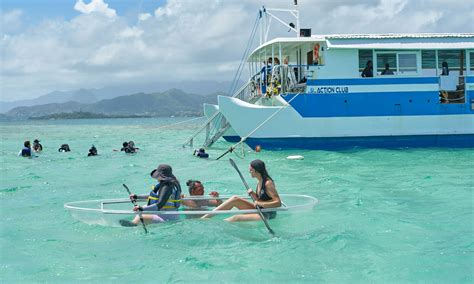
(263, 196)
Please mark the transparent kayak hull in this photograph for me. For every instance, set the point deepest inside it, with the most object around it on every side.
(108, 212)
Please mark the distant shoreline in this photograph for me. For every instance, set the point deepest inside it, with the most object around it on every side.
(89, 115)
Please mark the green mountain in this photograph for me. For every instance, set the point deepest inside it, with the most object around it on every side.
(170, 103)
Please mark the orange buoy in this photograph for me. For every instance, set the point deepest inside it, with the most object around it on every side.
(258, 148)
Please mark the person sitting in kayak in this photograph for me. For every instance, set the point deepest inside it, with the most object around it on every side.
(92, 151)
(266, 196)
(196, 188)
(165, 196)
(37, 147)
(26, 151)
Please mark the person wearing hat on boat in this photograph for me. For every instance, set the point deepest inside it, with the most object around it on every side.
(196, 188)
(165, 196)
(37, 147)
(266, 196)
(26, 151)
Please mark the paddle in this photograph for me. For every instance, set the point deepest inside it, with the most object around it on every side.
(247, 187)
(139, 212)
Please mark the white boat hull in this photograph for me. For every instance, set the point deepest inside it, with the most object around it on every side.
(288, 129)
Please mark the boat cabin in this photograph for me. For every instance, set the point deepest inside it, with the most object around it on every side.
(375, 64)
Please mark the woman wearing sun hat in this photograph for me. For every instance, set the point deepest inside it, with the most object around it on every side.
(165, 196)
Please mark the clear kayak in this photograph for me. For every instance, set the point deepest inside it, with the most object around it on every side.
(108, 212)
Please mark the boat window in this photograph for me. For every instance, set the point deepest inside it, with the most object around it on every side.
(407, 63)
(397, 63)
(386, 58)
(471, 62)
(428, 62)
(364, 56)
(453, 58)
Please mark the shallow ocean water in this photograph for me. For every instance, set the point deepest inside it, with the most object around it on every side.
(404, 215)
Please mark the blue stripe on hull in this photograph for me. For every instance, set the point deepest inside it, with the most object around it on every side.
(340, 143)
(373, 81)
(373, 104)
(232, 139)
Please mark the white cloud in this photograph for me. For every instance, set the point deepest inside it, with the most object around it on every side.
(95, 6)
(11, 20)
(187, 40)
(144, 16)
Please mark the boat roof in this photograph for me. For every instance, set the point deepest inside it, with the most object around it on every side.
(376, 41)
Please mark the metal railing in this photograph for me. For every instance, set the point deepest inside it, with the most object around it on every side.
(216, 125)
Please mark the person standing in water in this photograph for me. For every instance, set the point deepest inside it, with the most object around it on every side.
(26, 151)
(266, 196)
(37, 147)
(165, 196)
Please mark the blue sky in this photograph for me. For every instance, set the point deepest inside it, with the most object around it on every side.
(65, 45)
(36, 11)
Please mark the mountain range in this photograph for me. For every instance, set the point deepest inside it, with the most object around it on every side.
(169, 103)
(89, 96)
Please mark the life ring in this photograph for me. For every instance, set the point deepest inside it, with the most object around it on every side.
(316, 53)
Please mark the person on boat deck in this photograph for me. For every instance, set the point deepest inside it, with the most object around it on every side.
(196, 188)
(165, 196)
(37, 147)
(444, 69)
(276, 72)
(26, 151)
(266, 196)
(368, 70)
(387, 70)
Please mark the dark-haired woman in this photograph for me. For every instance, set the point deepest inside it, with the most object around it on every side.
(266, 196)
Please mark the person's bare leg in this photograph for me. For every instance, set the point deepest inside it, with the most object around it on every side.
(147, 219)
(244, 218)
(230, 203)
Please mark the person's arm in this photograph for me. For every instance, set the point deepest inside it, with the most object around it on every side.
(164, 195)
(271, 191)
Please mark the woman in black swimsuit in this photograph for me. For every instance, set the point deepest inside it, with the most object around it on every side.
(266, 196)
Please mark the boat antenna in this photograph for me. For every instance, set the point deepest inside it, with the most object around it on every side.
(268, 12)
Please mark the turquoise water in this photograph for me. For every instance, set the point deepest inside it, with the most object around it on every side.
(384, 215)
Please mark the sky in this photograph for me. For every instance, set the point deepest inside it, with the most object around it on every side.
(63, 45)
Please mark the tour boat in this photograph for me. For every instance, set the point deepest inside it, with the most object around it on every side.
(355, 90)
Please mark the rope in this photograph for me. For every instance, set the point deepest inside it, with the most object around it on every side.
(181, 122)
(242, 60)
(258, 127)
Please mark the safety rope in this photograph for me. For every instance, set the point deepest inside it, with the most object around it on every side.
(244, 56)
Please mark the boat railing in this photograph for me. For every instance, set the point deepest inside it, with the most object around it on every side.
(452, 89)
(216, 125)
